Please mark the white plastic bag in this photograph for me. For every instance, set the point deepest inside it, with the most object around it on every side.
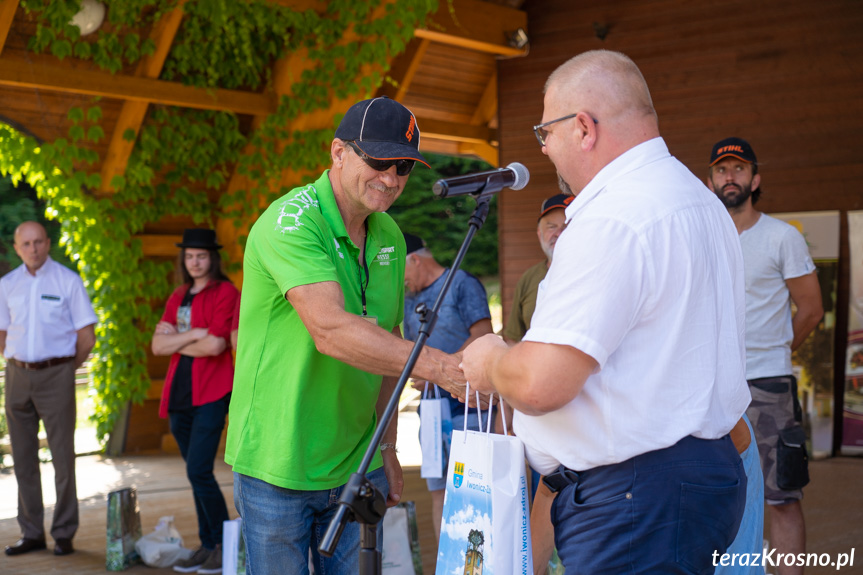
(163, 546)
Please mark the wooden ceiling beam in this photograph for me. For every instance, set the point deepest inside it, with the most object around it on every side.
(156, 245)
(133, 112)
(24, 74)
(7, 15)
(486, 152)
(456, 132)
(486, 109)
(413, 66)
(475, 25)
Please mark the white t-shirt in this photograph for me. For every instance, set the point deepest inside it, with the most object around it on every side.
(647, 279)
(773, 252)
(42, 314)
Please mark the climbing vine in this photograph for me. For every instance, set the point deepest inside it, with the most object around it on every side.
(183, 158)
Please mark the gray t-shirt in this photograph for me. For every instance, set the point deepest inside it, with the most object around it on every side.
(773, 252)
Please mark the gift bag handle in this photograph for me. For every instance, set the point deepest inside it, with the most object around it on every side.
(425, 394)
(478, 410)
(503, 415)
(489, 412)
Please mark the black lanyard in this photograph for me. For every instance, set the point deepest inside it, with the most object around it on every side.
(365, 266)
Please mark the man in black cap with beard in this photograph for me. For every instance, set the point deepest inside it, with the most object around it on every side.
(778, 271)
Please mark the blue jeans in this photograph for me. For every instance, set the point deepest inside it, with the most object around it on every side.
(665, 511)
(750, 536)
(281, 525)
(198, 431)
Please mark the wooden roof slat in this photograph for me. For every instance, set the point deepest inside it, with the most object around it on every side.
(476, 25)
(44, 76)
(415, 61)
(456, 132)
(483, 150)
(133, 112)
(487, 108)
(159, 245)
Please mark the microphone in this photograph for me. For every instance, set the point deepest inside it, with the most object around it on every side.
(515, 176)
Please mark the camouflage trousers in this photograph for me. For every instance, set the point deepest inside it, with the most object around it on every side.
(776, 415)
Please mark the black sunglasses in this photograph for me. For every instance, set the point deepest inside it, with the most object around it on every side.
(403, 167)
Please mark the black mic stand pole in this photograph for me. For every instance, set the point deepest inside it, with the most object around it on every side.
(360, 500)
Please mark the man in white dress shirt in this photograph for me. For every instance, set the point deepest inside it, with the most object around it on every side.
(632, 374)
(46, 332)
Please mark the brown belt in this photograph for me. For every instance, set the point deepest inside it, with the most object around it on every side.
(34, 365)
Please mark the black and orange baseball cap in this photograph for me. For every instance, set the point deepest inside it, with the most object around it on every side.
(383, 129)
(554, 202)
(732, 148)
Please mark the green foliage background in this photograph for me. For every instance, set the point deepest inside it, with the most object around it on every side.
(181, 153)
(443, 222)
(19, 204)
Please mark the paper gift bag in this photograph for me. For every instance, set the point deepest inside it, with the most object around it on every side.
(486, 522)
(401, 548)
(435, 430)
(123, 529)
(233, 548)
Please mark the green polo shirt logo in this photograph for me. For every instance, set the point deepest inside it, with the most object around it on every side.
(385, 255)
(291, 210)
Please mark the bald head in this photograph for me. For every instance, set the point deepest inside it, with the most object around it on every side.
(597, 107)
(32, 245)
(607, 84)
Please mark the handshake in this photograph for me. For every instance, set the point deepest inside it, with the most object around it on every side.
(473, 364)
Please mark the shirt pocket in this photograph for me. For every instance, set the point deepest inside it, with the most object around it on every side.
(52, 308)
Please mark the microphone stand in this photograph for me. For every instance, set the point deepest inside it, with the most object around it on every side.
(360, 500)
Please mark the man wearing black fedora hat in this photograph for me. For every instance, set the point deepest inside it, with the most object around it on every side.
(320, 345)
(194, 331)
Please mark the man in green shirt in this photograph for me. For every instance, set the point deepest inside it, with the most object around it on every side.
(323, 296)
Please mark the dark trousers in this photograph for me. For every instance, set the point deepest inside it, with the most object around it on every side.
(47, 394)
(198, 431)
(665, 511)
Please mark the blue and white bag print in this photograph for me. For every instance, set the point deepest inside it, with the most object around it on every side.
(435, 431)
(486, 519)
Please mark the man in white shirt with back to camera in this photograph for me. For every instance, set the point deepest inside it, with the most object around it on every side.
(632, 374)
(46, 332)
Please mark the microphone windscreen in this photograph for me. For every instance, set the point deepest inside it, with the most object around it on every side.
(522, 176)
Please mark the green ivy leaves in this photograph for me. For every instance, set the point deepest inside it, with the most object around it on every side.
(182, 158)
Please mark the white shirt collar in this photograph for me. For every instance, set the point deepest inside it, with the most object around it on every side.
(635, 157)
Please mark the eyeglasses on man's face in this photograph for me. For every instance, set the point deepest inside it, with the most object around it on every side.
(542, 133)
(403, 166)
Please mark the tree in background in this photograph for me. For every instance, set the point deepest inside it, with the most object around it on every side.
(20, 204)
(443, 222)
